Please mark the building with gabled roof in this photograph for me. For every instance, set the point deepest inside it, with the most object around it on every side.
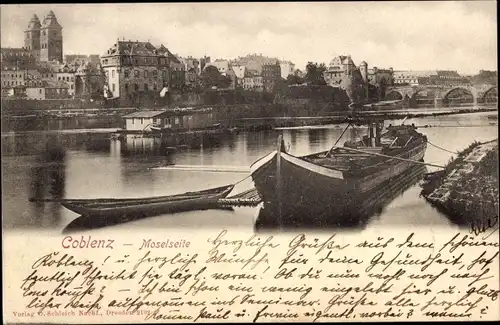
(171, 119)
(133, 67)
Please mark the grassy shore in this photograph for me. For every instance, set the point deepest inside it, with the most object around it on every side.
(467, 189)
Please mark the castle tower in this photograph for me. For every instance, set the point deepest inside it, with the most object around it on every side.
(363, 69)
(32, 37)
(51, 41)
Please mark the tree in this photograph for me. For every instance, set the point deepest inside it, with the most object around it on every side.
(224, 81)
(294, 80)
(211, 77)
(314, 74)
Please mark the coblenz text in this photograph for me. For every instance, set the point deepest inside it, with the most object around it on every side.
(87, 242)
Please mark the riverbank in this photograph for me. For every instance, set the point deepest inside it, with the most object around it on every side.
(257, 124)
(115, 123)
(467, 189)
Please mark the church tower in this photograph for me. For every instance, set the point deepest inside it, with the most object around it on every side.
(51, 41)
(32, 37)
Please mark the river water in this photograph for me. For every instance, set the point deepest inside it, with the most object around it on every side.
(97, 166)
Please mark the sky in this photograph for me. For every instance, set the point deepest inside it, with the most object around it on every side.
(448, 35)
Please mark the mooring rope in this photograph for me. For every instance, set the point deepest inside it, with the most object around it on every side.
(453, 152)
(241, 180)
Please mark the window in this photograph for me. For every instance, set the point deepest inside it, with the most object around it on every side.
(126, 73)
(112, 73)
(126, 88)
(145, 87)
(40, 91)
(72, 87)
(136, 73)
(136, 86)
(145, 74)
(113, 87)
(142, 121)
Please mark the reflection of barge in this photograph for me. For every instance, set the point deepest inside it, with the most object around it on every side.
(331, 182)
(366, 207)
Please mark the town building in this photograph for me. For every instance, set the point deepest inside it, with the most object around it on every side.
(191, 63)
(239, 72)
(174, 119)
(35, 89)
(43, 89)
(412, 77)
(287, 69)
(485, 77)
(44, 40)
(380, 78)
(203, 62)
(220, 64)
(137, 67)
(254, 61)
(176, 69)
(89, 80)
(271, 74)
(13, 77)
(375, 76)
(82, 58)
(192, 70)
(17, 58)
(253, 81)
(448, 78)
(56, 90)
(339, 67)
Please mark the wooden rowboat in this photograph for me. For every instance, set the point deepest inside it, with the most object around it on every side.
(141, 207)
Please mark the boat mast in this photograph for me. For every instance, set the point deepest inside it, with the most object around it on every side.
(375, 127)
(278, 179)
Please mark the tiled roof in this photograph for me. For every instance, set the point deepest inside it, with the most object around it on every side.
(50, 20)
(144, 114)
(130, 48)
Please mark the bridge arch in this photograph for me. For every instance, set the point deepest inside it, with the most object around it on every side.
(459, 95)
(394, 95)
(487, 96)
(424, 96)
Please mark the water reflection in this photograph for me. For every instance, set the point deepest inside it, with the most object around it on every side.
(96, 166)
(33, 143)
(362, 210)
(48, 183)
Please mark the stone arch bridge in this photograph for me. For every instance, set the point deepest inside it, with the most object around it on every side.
(444, 94)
